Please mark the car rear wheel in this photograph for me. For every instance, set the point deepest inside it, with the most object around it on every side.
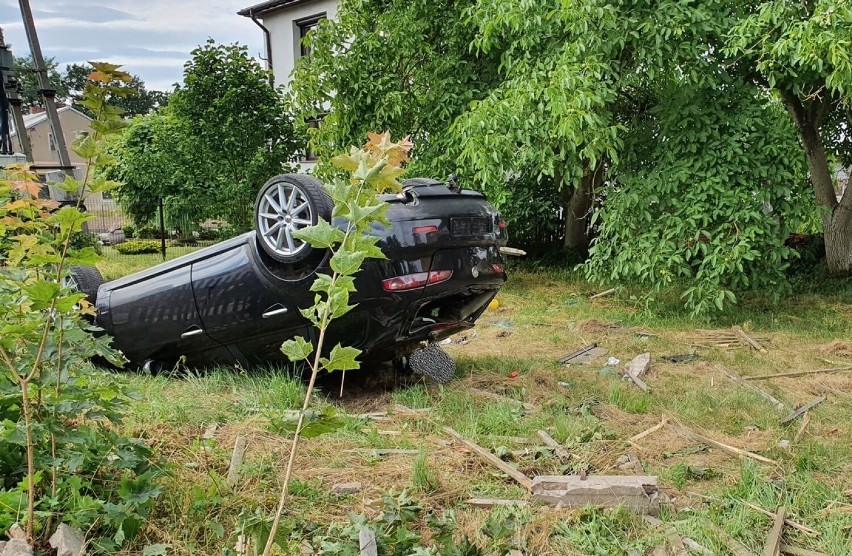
(86, 279)
(284, 205)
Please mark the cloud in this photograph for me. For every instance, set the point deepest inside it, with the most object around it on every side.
(151, 38)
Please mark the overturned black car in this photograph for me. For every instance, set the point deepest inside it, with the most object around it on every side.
(237, 301)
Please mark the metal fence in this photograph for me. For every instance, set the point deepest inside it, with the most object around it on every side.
(117, 236)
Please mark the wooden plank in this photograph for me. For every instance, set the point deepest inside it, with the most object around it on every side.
(637, 437)
(236, 461)
(522, 479)
(638, 493)
(491, 502)
(367, 542)
(720, 445)
(500, 398)
(806, 420)
(773, 542)
(672, 536)
(796, 551)
(746, 340)
(558, 449)
(790, 522)
(639, 382)
(845, 369)
(604, 293)
(779, 405)
(732, 544)
(802, 410)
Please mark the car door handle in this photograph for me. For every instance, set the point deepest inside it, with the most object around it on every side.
(192, 331)
(274, 311)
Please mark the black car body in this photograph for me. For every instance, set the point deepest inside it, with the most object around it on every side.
(235, 302)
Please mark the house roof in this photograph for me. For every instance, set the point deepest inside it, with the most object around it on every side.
(271, 6)
(32, 120)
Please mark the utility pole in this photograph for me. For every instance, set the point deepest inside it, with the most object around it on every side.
(48, 93)
(10, 91)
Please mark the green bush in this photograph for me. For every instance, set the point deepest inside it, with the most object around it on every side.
(138, 247)
(83, 239)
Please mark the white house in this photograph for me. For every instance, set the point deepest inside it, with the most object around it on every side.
(284, 24)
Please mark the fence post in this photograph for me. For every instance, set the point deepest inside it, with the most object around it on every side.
(162, 230)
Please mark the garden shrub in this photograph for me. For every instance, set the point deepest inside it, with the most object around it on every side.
(139, 247)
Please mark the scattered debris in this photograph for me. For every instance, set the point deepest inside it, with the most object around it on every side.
(17, 544)
(445, 342)
(342, 489)
(502, 323)
(732, 544)
(236, 460)
(779, 405)
(688, 451)
(695, 547)
(604, 293)
(802, 410)
(504, 334)
(672, 536)
(640, 365)
(790, 522)
(773, 542)
(514, 374)
(374, 416)
(558, 449)
(746, 340)
(688, 433)
(636, 493)
(637, 437)
(67, 541)
(522, 479)
(367, 542)
(565, 385)
(512, 252)
(609, 371)
(210, 431)
(638, 382)
(381, 451)
(806, 420)
(722, 339)
(499, 398)
(491, 502)
(684, 358)
(784, 444)
(845, 369)
(584, 355)
(630, 462)
(612, 362)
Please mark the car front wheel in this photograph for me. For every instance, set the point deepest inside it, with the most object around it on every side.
(284, 205)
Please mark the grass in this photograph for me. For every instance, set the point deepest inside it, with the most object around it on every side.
(543, 317)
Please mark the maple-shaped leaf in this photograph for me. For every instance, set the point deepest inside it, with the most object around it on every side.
(31, 188)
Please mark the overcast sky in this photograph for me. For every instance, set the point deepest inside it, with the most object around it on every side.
(151, 38)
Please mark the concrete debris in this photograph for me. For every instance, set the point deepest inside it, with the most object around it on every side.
(491, 502)
(638, 493)
(640, 365)
(584, 355)
(236, 461)
(342, 489)
(17, 544)
(16, 533)
(695, 547)
(612, 361)
(67, 541)
(367, 542)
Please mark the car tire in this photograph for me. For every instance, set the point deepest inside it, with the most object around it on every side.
(285, 204)
(432, 362)
(87, 279)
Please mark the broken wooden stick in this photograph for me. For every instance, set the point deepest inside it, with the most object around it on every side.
(806, 420)
(558, 449)
(802, 410)
(746, 340)
(637, 437)
(382, 451)
(689, 433)
(500, 398)
(522, 479)
(790, 522)
(779, 405)
(773, 542)
(491, 502)
(638, 382)
(236, 461)
(801, 373)
(604, 293)
(796, 551)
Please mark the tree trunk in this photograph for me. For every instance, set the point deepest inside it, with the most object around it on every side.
(578, 207)
(837, 216)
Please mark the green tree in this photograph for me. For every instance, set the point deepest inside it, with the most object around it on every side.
(233, 127)
(28, 80)
(803, 51)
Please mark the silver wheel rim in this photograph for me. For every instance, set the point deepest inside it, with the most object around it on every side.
(283, 209)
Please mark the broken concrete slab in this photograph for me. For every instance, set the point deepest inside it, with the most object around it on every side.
(638, 493)
(584, 355)
(342, 489)
(639, 365)
(67, 541)
(17, 544)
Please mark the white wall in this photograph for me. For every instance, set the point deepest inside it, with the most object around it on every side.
(284, 34)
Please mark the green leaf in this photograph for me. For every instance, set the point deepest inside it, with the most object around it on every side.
(42, 293)
(297, 349)
(347, 263)
(341, 359)
(157, 549)
(323, 283)
(320, 236)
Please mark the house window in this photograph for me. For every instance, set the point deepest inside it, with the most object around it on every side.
(305, 26)
(51, 140)
(312, 123)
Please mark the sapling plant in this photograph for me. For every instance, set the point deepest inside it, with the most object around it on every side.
(372, 170)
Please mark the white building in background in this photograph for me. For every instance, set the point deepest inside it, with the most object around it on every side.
(284, 24)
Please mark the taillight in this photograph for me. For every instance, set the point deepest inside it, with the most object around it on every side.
(498, 268)
(414, 281)
(424, 229)
(501, 224)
